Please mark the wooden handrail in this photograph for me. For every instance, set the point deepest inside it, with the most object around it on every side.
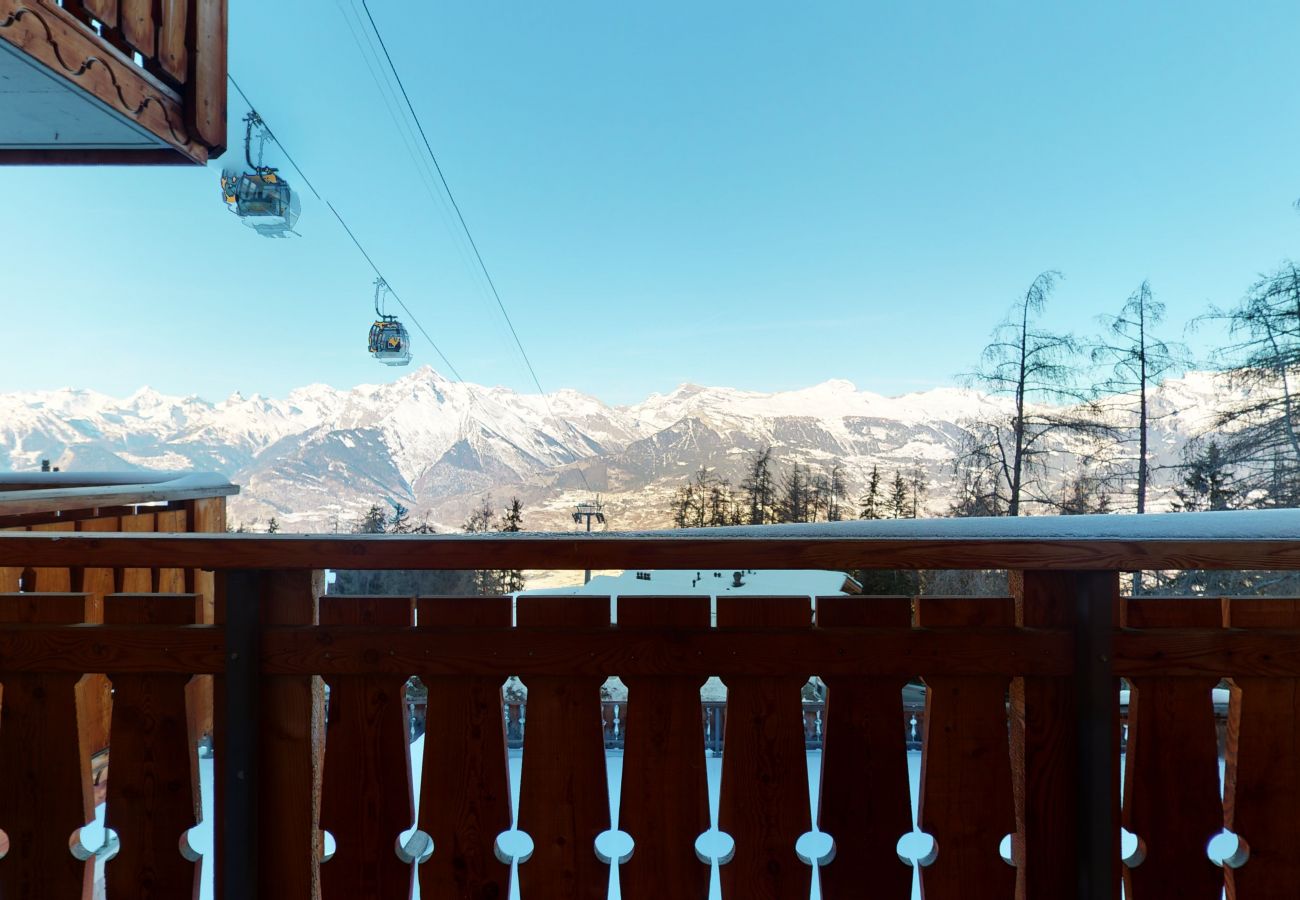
(1236, 541)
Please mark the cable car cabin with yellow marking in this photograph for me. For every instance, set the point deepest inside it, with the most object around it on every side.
(100, 82)
(389, 343)
(260, 197)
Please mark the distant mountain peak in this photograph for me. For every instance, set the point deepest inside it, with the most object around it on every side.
(439, 446)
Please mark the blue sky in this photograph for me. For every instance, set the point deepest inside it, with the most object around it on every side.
(753, 194)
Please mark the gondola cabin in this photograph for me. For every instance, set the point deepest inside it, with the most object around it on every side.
(260, 197)
(262, 200)
(389, 342)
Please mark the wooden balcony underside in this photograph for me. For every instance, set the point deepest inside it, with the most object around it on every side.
(72, 96)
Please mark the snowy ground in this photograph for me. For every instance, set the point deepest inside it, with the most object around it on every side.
(615, 845)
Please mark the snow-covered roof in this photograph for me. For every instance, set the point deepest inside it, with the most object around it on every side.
(27, 492)
(712, 582)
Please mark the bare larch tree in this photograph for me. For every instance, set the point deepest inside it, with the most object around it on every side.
(1006, 455)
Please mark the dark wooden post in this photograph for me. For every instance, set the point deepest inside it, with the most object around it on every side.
(1064, 743)
(270, 736)
(236, 736)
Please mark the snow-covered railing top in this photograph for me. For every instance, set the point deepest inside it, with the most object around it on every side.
(1236, 540)
(24, 493)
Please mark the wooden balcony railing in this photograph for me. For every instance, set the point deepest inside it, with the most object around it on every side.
(159, 65)
(1021, 717)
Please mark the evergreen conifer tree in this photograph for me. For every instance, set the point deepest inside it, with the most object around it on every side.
(1207, 480)
(374, 521)
(759, 489)
(838, 490)
(898, 500)
(871, 501)
(795, 504)
(512, 580)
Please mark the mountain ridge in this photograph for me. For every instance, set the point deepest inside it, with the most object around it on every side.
(318, 457)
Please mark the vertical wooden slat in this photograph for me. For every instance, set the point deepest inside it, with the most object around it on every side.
(173, 521)
(45, 792)
(367, 780)
(764, 801)
(54, 580)
(1171, 776)
(103, 10)
(465, 786)
(138, 26)
(97, 581)
(966, 799)
(151, 799)
(95, 690)
(205, 94)
(665, 802)
(865, 802)
(173, 55)
(464, 794)
(564, 795)
(1262, 771)
(138, 580)
(203, 516)
(290, 744)
(10, 575)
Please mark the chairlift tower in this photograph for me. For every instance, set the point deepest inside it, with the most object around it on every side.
(588, 510)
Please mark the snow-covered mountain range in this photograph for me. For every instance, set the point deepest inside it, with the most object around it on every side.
(318, 458)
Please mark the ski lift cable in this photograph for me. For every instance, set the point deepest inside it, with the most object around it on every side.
(370, 55)
(468, 234)
(271, 135)
(472, 394)
(478, 255)
(392, 104)
(400, 302)
(382, 76)
(307, 181)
